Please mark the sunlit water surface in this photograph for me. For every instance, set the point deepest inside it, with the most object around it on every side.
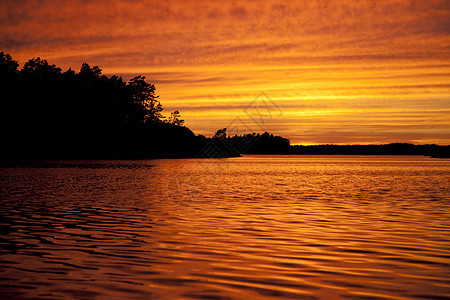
(257, 227)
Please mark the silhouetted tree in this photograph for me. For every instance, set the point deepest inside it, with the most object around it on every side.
(146, 107)
(175, 118)
(69, 74)
(221, 134)
(40, 68)
(8, 66)
(87, 73)
(9, 102)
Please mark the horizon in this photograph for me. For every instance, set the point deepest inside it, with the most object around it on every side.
(345, 72)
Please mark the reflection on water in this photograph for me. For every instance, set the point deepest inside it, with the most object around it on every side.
(300, 227)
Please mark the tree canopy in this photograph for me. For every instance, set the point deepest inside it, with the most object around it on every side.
(102, 99)
(43, 107)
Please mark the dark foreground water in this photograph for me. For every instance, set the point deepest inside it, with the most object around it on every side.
(257, 227)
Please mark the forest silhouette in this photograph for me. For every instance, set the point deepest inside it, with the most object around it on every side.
(49, 113)
(46, 113)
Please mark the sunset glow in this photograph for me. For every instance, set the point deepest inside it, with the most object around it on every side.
(343, 72)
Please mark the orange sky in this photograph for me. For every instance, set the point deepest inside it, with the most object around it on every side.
(313, 71)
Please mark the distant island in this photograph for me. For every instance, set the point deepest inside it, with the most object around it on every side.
(46, 113)
(269, 144)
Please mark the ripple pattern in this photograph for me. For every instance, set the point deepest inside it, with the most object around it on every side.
(257, 227)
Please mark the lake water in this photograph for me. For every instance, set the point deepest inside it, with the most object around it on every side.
(256, 227)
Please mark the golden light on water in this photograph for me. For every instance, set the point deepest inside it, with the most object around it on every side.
(258, 226)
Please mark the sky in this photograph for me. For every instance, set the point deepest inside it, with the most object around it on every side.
(316, 72)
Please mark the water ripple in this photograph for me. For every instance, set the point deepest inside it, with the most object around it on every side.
(253, 227)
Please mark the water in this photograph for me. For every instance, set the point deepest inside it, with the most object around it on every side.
(257, 227)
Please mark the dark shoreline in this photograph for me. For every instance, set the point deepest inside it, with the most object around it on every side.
(225, 147)
(35, 161)
(431, 150)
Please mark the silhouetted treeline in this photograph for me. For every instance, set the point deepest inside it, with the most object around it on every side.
(267, 143)
(256, 143)
(222, 145)
(46, 112)
(384, 149)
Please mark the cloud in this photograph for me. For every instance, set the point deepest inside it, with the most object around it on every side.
(347, 25)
